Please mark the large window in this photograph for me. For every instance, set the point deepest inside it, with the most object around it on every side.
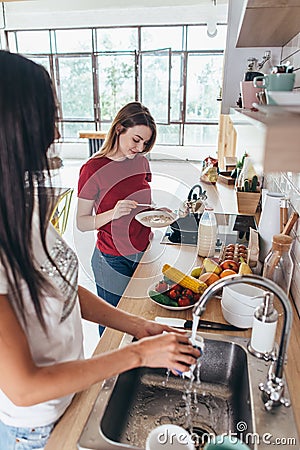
(176, 71)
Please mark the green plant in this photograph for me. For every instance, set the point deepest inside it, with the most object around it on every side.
(251, 185)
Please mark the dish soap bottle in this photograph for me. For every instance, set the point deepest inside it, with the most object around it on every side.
(207, 233)
(264, 328)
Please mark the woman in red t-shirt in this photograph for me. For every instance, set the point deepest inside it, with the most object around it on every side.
(110, 186)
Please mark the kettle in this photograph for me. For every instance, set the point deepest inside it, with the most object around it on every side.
(195, 202)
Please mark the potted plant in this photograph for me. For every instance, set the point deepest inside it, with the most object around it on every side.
(247, 188)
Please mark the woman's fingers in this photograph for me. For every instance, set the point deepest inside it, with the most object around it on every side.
(170, 350)
(123, 208)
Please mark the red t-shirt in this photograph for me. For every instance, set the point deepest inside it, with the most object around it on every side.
(106, 181)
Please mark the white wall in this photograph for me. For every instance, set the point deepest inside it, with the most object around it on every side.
(78, 13)
(235, 63)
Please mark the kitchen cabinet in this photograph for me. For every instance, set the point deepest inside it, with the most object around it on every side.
(271, 136)
(269, 23)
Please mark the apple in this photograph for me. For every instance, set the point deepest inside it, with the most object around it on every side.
(209, 278)
(230, 264)
(227, 273)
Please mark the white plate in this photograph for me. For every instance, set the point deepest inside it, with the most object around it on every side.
(286, 98)
(277, 109)
(171, 308)
(156, 218)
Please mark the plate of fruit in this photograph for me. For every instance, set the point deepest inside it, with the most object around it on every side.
(176, 290)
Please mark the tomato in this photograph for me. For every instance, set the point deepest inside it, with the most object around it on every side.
(184, 301)
(188, 293)
(173, 293)
(196, 297)
(177, 287)
(161, 287)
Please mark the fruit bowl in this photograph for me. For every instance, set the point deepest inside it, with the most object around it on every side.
(151, 294)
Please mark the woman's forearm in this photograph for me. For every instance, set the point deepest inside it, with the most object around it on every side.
(42, 384)
(31, 385)
(90, 222)
(96, 310)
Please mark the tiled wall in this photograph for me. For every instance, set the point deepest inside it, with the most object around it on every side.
(289, 183)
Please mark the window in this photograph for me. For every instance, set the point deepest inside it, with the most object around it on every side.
(175, 70)
(155, 81)
(204, 74)
(117, 39)
(76, 87)
(31, 42)
(70, 41)
(116, 78)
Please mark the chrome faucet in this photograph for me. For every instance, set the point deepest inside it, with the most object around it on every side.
(273, 388)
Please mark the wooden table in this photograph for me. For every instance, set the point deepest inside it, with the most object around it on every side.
(96, 139)
(66, 434)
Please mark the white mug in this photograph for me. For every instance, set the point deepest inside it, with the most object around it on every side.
(169, 437)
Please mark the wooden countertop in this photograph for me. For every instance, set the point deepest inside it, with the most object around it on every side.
(68, 430)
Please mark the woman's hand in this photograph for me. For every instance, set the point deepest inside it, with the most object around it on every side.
(170, 350)
(146, 328)
(123, 208)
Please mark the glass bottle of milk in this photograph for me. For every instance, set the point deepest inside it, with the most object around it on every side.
(207, 233)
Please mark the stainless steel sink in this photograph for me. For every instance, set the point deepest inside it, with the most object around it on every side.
(225, 400)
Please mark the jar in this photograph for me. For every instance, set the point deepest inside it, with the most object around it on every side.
(278, 264)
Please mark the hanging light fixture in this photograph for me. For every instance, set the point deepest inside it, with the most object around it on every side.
(212, 30)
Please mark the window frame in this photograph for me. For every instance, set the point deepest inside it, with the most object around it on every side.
(97, 122)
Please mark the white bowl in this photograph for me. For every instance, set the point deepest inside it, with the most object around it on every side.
(236, 307)
(285, 97)
(238, 320)
(242, 298)
(169, 437)
(156, 218)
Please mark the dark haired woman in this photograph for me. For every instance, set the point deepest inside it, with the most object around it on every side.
(41, 305)
(111, 184)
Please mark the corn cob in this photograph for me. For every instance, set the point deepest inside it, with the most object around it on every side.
(184, 280)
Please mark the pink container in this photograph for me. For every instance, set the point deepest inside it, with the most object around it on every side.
(248, 92)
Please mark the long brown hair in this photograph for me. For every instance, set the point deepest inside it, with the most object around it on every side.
(130, 115)
(28, 114)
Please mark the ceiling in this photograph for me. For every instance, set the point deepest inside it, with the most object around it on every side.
(103, 4)
(27, 14)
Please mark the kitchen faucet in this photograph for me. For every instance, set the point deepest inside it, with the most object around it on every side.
(273, 388)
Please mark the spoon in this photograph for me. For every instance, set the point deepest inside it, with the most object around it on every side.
(150, 205)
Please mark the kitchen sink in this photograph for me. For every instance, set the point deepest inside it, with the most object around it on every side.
(224, 398)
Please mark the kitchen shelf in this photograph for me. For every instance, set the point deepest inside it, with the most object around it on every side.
(279, 135)
(269, 23)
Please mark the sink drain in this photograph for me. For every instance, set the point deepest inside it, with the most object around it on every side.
(201, 435)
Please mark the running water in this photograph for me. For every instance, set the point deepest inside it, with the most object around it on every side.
(190, 377)
(195, 326)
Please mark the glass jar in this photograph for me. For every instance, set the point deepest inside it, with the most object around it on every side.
(278, 264)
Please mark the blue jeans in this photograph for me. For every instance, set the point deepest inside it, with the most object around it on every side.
(18, 438)
(112, 274)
